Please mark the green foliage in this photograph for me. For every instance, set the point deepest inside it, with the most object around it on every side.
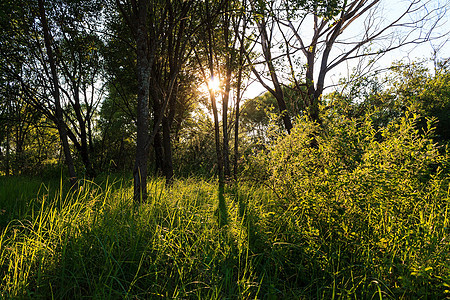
(428, 93)
(325, 9)
(117, 127)
(387, 99)
(362, 215)
(28, 143)
(259, 112)
(255, 114)
(194, 152)
(369, 208)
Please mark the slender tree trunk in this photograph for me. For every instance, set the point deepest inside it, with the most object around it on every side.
(217, 139)
(84, 150)
(91, 142)
(65, 145)
(142, 123)
(157, 141)
(238, 94)
(314, 108)
(8, 165)
(141, 25)
(310, 90)
(91, 146)
(225, 99)
(166, 122)
(236, 136)
(213, 103)
(85, 157)
(277, 92)
(87, 161)
(237, 115)
(173, 90)
(19, 161)
(56, 94)
(221, 209)
(313, 104)
(159, 154)
(121, 157)
(168, 166)
(226, 96)
(163, 147)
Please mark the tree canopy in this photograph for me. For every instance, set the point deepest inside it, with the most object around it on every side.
(128, 82)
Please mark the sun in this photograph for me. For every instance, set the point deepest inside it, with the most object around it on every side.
(214, 84)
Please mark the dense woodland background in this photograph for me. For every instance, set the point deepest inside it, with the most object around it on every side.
(133, 165)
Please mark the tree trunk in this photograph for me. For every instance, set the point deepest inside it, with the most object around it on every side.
(121, 157)
(142, 123)
(168, 165)
(226, 95)
(56, 94)
(225, 99)
(159, 155)
(163, 148)
(277, 92)
(8, 165)
(237, 115)
(236, 131)
(18, 157)
(313, 106)
(84, 150)
(173, 90)
(91, 146)
(238, 94)
(212, 95)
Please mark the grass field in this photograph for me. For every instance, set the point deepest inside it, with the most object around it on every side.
(94, 243)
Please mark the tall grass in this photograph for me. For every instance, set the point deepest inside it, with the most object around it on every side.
(15, 198)
(95, 243)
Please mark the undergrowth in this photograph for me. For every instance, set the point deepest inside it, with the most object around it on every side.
(364, 215)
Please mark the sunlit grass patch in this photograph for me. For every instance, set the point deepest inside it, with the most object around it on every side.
(95, 242)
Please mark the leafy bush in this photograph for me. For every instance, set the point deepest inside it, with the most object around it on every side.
(365, 204)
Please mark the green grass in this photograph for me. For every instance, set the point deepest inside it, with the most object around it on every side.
(94, 243)
(17, 194)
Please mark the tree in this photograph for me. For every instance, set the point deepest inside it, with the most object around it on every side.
(59, 118)
(317, 34)
(220, 56)
(240, 24)
(118, 110)
(161, 31)
(209, 71)
(427, 93)
(48, 50)
(406, 87)
(136, 14)
(80, 67)
(166, 80)
(209, 75)
(259, 10)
